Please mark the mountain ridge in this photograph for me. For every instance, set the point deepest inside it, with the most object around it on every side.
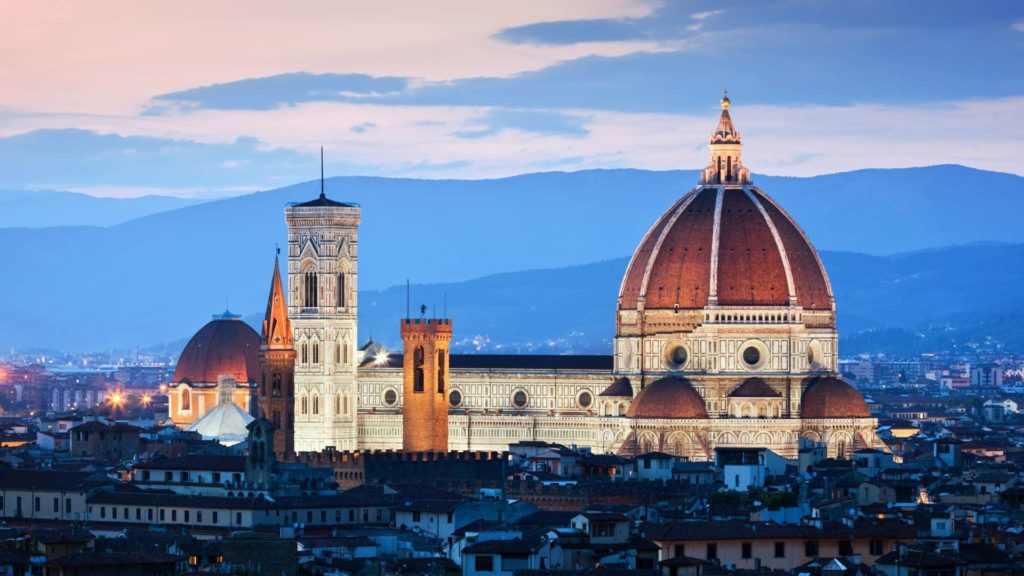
(156, 277)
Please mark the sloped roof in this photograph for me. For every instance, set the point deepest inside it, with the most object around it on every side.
(754, 388)
(619, 387)
(226, 424)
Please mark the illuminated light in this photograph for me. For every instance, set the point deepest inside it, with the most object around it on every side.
(146, 399)
(116, 399)
(381, 359)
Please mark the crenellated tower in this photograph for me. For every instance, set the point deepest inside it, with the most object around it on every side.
(322, 272)
(276, 394)
(425, 384)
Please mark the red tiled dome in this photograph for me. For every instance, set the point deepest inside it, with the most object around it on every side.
(830, 397)
(225, 346)
(669, 397)
(673, 264)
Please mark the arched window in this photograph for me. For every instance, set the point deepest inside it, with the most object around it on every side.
(186, 399)
(440, 371)
(337, 404)
(316, 352)
(646, 445)
(417, 369)
(341, 290)
(345, 356)
(337, 352)
(303, 405)
(305, 352)
(316, 405)
(309, 292)
(275, 384)
(345, 400)
(841, 450)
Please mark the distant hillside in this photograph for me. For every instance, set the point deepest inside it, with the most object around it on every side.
(156, 278)
(43, 208)
(926, 301)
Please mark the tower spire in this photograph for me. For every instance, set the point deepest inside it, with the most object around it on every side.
(322, 194)
(277, 328)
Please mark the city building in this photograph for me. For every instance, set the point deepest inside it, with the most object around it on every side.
(725, 337)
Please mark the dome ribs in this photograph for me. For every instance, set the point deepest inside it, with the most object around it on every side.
(750, 268)
(809, 279)
(634, 278)
(680, 269)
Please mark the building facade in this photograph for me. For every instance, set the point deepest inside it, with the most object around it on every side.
(725, 337)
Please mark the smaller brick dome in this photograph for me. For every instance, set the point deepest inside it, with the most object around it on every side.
(830, 397)
(225, 346)
(669, 397)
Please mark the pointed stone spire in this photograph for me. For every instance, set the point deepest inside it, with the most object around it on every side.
(277, 328)
(725, 166)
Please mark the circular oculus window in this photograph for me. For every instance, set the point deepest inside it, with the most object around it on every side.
(675, 355)
(455, 398)
(814, 355)
(390, 397)
(520, 399)
(585, 399)
(753, 355)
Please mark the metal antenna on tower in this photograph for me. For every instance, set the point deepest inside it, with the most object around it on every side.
(322, 195)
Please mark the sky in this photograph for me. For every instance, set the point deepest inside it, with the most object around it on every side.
(212, 98)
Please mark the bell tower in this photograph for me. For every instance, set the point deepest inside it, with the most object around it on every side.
(276, 394)
(322, 272)
(425, 384)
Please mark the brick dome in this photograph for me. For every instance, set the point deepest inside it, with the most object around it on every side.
(225, 346)
(754, 256)
(830, 397)
(669, 397)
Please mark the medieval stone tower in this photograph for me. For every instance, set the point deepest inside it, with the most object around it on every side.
(276, 392)
(322, 256)
(425, 384)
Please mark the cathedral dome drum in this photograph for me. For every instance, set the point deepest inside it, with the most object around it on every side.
(725, 282)
(725, 244)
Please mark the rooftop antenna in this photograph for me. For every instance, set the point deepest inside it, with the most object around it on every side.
(322, 195)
